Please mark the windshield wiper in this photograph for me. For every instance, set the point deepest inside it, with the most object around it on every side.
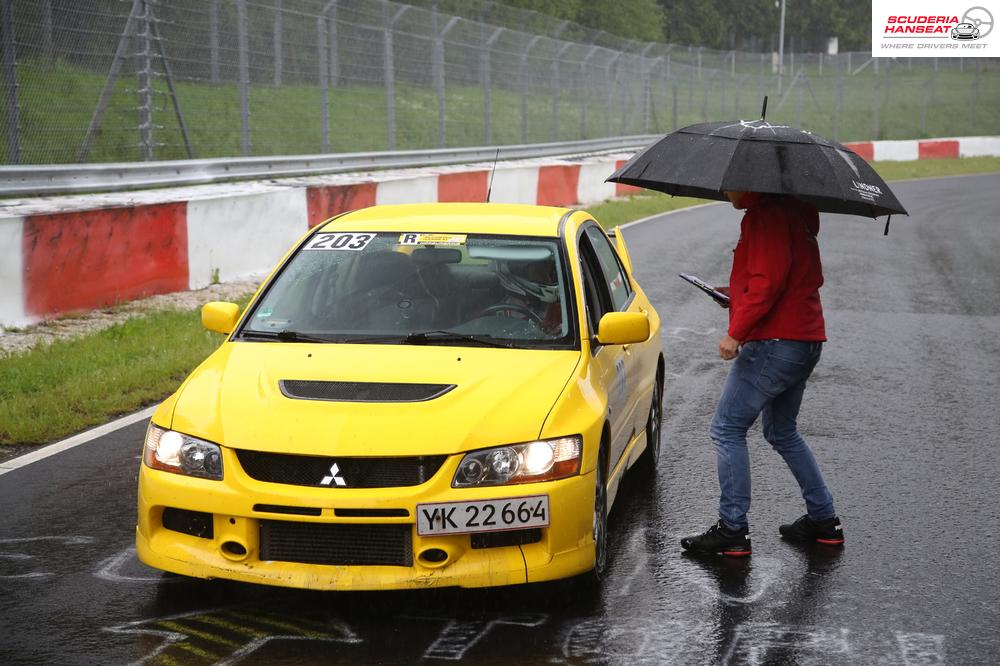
(424, 337)
(283, 336)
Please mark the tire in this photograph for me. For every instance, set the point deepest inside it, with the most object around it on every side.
(600, 517)
(649, 461)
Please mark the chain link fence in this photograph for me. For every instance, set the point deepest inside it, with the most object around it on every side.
(133, 80)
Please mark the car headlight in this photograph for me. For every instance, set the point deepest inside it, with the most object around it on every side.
(172, 451)
(542, 460)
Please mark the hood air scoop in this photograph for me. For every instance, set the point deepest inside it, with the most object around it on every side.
(304, 389)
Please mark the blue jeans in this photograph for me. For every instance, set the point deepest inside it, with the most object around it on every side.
(768, 379)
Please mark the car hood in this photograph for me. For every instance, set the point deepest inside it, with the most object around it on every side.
(500, 396)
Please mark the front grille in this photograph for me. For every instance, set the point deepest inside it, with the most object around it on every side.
(341, 545)
(506, 538)
(353, 472)
(195, 523)
(303, 389)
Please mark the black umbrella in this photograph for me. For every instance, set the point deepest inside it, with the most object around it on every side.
(708, 159)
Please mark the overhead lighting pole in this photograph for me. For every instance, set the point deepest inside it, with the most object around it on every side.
(781, 47)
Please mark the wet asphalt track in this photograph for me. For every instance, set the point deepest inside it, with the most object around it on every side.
(902, 412)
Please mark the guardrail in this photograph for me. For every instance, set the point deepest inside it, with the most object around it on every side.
(121, 176)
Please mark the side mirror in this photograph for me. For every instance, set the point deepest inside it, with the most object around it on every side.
(219, 316)
(623, 328)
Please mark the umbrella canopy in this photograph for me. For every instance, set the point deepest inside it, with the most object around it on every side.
(708, 159)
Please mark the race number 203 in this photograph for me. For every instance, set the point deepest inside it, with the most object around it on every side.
(483, 516)
(339, 241)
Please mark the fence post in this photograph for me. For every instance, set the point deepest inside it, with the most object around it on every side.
(437, 72)
(556, 90)
(388, 74)
(324, 84)
(583, 82)
(674, 114)
(876, 94)
(145, 74)
(524, 87)
(736, 101)
(975, 97)
(9, 56)
(333, 69)
(213, 40)
(838, 107)
(47, 29)
(244, 59)
(923, 107)
(487, 55)
(277, 42)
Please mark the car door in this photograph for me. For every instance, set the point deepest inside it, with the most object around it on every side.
(623, 299)
(608, 361)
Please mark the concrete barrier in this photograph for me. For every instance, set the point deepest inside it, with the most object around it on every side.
(61, 254)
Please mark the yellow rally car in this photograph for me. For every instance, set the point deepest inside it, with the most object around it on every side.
(418, 396)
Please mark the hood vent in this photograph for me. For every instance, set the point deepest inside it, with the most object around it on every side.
(303, 389)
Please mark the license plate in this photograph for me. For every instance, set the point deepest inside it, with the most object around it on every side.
(483, 516)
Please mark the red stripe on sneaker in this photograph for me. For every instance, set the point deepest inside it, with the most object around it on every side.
(830, 542)
(736, 553)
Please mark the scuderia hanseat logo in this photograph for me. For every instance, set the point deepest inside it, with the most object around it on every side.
(931, 28)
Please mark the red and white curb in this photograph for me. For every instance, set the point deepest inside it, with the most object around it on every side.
(63, 254)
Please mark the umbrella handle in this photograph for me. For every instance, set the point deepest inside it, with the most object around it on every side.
(887, 220)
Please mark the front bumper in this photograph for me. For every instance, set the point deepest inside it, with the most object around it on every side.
(235, 509)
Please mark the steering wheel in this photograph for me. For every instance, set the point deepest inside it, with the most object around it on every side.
(512, 307)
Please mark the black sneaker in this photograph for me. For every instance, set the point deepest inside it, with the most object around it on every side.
(828, 532)
(719, 540)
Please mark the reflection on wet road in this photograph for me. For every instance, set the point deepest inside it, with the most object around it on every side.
(901, 412)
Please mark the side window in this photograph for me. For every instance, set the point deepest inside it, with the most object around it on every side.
(614, 274)
(594, 285)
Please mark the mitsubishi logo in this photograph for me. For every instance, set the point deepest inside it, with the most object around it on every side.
(334, 478)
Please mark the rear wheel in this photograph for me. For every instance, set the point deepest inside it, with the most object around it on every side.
(650, 458)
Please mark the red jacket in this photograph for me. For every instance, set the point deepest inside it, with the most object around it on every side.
(774, 285)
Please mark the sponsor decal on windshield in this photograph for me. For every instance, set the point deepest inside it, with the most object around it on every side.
(432, 239)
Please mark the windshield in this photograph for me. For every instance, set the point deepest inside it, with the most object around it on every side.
(420, 288)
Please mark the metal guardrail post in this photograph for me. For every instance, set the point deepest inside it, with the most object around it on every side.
(674, 111)
(9, 56)
(244, 56)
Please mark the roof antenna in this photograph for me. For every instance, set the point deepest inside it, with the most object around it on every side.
(763, 110)
(489, 190)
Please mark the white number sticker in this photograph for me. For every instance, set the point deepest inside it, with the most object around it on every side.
(340, 241)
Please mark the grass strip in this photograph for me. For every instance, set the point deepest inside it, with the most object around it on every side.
(64, 387)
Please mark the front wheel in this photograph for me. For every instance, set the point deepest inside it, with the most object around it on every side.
(600, 517)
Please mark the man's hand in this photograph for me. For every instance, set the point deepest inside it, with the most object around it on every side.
(729, 348)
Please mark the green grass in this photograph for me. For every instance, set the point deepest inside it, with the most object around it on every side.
(69, 385)
(286, 120)
(55, 390)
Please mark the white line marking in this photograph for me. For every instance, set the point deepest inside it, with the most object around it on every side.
(669, 212)
(75, 440)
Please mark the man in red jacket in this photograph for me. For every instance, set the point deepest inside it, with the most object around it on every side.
(776, 334)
